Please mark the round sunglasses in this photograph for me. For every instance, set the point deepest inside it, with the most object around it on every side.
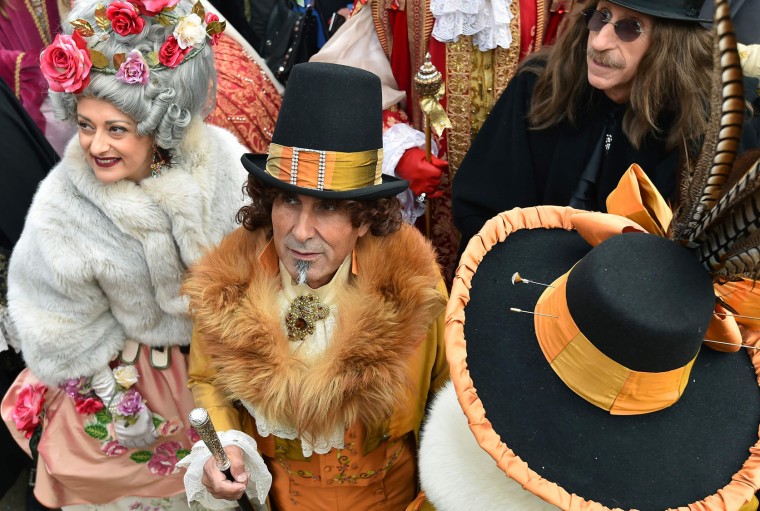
(626, 30)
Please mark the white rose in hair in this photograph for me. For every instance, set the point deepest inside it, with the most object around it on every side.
(126, 376)
(190, 31)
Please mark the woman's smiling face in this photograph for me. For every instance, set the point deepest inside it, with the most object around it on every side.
(110, 141)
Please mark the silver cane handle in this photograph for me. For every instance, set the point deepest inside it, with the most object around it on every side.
(201, 422)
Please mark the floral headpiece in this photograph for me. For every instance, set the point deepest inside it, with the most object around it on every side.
(68, 61)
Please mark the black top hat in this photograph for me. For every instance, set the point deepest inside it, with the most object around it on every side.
(668, 458)
(328, 139)
(683, 10)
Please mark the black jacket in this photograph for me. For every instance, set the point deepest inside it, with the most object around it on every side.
(27, 158)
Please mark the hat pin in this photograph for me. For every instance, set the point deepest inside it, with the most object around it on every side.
(516, 277)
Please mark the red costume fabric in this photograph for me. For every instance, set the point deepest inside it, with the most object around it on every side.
(247, 101)
(26, 27)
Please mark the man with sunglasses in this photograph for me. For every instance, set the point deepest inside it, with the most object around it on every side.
(628, 81)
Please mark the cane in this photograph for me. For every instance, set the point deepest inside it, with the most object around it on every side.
(428, 83)
(201, 422)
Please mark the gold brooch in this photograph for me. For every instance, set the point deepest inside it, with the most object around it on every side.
(303, 314)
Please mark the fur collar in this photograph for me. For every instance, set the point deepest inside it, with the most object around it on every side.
(383, 316)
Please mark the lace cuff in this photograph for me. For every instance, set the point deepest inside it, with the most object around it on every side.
(259, 478)
(485, 20)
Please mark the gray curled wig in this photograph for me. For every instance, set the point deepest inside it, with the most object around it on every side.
(164, 107)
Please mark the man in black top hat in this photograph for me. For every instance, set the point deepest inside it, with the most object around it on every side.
(627, 82)
(322, 314)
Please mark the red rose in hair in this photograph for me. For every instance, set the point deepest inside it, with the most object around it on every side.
(26, 413)
(210, 16)
(171, 54)
(125, 19)
(66, 63)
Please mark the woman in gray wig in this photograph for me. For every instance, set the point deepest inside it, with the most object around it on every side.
(93, 288)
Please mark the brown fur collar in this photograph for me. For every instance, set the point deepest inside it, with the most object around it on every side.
(383, 316)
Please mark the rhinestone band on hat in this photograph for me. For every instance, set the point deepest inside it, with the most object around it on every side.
(322, 166)
(294, 166)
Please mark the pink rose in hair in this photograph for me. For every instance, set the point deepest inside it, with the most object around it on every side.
(170, 54)
(125, 18)
(66, 64)
(153, 7)
(26, 413)
(134, 69)
(210, 16)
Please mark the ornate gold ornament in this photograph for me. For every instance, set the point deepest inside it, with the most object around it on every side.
(303, 314)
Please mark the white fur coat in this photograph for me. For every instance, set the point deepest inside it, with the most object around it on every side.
(99, 263)
(456, 473)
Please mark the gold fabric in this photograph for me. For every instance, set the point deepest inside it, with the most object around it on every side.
(593, 375)
(325, 170)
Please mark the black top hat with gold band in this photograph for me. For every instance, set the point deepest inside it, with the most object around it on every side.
(327, 142)
(624, 326)
(605, 399)
(681, 10)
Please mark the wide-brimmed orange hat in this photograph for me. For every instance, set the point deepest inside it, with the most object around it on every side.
(603, 395)
(613, 404)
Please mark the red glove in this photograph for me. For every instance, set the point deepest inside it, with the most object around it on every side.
(423, 176)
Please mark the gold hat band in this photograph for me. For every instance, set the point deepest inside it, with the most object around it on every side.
(593, 375)
(325, 170)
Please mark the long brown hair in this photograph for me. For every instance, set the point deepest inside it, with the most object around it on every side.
(672, 81)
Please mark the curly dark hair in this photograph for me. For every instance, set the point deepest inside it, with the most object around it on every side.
(382, 215)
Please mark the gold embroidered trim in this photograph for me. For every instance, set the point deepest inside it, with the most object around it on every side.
(17, 76)
(474, 81)
(540, 24)
(458, 101)
(302, 316)
(44, 32)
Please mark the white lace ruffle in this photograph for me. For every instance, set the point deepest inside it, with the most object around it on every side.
(487, 21)
(396, 140)
(259, 478)
(321, 445)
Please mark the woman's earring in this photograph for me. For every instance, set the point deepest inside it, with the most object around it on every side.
(161, 159)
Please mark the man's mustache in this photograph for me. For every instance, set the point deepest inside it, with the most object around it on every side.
(312, 246)
(605, 58)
